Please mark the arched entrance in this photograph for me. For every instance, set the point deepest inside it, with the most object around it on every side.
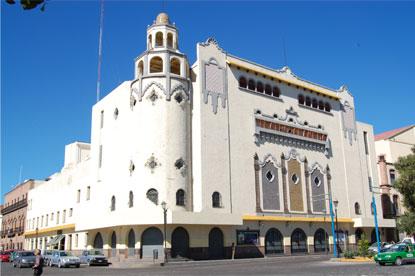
(321, 241)
(113, 244)
(179, 243)
(298, 241)
(98, 242)
(151, 239)
(216, 244)
(131, 243)
(274, 242)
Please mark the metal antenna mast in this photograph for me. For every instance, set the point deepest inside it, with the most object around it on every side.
(101, 27)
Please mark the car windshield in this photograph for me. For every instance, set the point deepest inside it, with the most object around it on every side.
(95, 252)
(25, 254)
(63, 254)
(396, 248)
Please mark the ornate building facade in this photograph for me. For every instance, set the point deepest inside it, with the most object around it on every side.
(241, 157)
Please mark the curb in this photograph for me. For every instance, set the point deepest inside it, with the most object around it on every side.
(357, 260)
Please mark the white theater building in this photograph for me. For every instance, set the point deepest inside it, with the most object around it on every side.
(241, 154)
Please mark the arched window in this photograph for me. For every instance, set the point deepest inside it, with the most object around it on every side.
(321, 105)
(153, 196)
(276, 91)
(260, 87)
(150, 42)
(113, 203)
(251, 84)
(180, 197)
(357, 208)
(268, 89)
(300, 99)
(327, 107)
(216, 200)
(315, 103)
(156, 65)
(131, 199)
(298, 241)
(140, 68)
(159, 39)
(170, 40)
(321, 239)
(392, 176)
(175, 66)
(307, 101)
(242, 82)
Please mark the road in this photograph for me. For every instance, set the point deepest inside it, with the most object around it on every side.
(301, 265)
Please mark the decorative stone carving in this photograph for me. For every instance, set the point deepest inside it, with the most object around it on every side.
(152, 163)
(349, 122)
(214, 84)
(131, 168)
(153, 96)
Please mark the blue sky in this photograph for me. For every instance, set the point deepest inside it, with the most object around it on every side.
(49, 61)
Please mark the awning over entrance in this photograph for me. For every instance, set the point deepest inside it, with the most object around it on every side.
(55, 240)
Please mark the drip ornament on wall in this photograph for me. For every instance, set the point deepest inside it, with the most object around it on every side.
(152, 163)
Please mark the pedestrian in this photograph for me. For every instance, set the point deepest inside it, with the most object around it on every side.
(38, 267)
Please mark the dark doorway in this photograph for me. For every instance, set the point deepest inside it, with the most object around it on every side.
(131, 243)
(216, 250)
(321, 241)
(179, 243)
(152, 239)
(113, 244)
(298, 241)
(98, 242)
(274, 242)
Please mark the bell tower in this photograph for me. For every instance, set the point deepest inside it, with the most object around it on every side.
(160, 96)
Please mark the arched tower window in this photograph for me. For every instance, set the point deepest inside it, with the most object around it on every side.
(150, 42)
(251, 84)
(300, 99)
(170, 40)
(327, 107)
(175, 66)
(180, 197)
(357, 208)
(216, 200)
(153, 196)
(131, 199)
(159, 39)
(242, 82)
(140, 68)
(113, 203)
(156, 65)
(276, 92)
(260, 87)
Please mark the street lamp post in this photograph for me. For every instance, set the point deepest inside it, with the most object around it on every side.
(336, 203)
(164, 206)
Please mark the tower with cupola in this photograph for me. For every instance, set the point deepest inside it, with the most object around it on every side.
(160, 93)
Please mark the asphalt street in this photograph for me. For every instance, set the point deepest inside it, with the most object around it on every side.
(301, 265)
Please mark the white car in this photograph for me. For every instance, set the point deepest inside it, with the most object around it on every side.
(64, 259)
(383, 245)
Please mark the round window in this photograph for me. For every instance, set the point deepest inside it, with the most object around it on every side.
(295, 178)
(317, 181)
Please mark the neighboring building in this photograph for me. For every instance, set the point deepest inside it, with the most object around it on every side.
(241, 154)
(390, 146)
(1, 231)
(14, 216)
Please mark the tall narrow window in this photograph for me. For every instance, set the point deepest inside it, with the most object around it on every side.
(76, 240)
(41, 222)
(57, 217)
(357, 208)
(327, 107)
(156, 65)
(392, 176)
(301, 99)
(113, 203)
(131, 199)
(64, 216)
(100, 157)
(260, 87)
(159, 39)
(216, 200)
(150, 42)
(180, 197)
(88, 192)
(170, 40)
(102, 119)
(78, 196)
(175, 66)
(365, 141)
(242, 82)
(140, 68)
(251, 84)
(276, 92)
(47, 220)
(307, 101)
(70, 212)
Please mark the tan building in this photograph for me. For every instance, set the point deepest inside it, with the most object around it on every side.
(389, 147)
(14, 216)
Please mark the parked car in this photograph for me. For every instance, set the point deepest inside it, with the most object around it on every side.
(24, 259)
(93, 257)
(64, 259)
(5, 256)
(373, 249)
(47, 255)
(397, 254)
(410, 240)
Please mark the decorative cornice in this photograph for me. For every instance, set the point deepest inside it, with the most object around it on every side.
(269, 158)
(212, 41)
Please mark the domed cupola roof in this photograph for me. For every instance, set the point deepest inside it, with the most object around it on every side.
(162, 19)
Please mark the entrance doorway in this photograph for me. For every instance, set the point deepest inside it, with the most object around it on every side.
(216, 244)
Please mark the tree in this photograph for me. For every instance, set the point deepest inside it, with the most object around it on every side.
(405, 184)
(29, 4)
(363, 246)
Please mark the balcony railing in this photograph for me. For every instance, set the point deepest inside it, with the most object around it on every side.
(12, 232)
(18, 205)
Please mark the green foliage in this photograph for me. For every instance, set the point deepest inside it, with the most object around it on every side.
(363, 246)
(349, 254)
(29, 4)
(405, 184)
